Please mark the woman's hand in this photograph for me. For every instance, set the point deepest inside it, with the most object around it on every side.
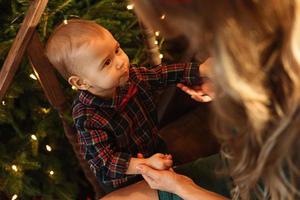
(169, 181)
(160, 161)
(205, 91)
(165, 180)
(202, 93)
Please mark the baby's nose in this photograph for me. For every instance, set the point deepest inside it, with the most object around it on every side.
(120, 64)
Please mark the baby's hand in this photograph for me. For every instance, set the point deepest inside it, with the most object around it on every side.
(160, 161)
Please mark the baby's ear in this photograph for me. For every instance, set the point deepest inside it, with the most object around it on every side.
(77, 82)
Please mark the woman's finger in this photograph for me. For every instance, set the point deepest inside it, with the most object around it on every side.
(206, 98)
(179, 85)
(148, 179)
(148, 171)
(139, 155)
(197, 98)
(150, 182)
(171, 169)
(202, 98)
(183, 87)
(189, 90)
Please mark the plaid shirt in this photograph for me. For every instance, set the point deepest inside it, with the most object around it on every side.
(111, 131)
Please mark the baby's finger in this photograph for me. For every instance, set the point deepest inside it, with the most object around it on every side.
(160, 155)
(168, 156)
(139, 155)
(168, 163)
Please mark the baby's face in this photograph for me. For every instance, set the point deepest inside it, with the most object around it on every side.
(106, 64)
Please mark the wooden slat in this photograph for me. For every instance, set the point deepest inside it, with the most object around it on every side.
(45, 72)
(56, 97)
(152, 48)
(20, 43)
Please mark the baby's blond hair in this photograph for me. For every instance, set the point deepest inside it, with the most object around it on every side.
(64, 47)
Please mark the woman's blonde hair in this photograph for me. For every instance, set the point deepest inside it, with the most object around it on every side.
(256, 47)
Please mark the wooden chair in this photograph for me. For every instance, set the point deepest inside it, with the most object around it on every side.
(28, 40)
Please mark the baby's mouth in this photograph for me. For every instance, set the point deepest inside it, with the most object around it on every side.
(126, 73)
(125, 76)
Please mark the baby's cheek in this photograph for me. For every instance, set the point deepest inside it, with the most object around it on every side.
(110, 82)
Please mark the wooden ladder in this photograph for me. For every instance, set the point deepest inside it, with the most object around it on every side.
(27, 39)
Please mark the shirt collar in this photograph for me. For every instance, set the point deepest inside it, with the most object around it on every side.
(89, 99)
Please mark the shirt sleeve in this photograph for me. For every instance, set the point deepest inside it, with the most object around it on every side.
(98, 150)
(164, 75)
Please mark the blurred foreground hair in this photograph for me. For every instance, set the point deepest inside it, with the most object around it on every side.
(256, 47)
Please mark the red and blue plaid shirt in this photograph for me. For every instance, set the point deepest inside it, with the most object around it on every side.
(111, 131)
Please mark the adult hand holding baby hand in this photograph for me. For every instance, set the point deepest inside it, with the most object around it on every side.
(160, 161)
(165, 180)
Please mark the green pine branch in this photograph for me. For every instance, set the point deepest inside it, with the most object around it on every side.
(27, 111)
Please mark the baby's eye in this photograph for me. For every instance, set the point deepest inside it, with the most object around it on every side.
(107, 62)
(117, 50)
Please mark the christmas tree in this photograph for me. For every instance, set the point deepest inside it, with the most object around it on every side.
(36, 160)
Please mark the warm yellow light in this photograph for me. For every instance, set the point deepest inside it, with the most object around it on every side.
(14, 167)
(3, 103)
(163, 17)
(161, 55)
(48, 148)
(14, 197)
(130, 6)
(155, 42)
(73, 87)
(51, 172)
(157, 33)
(45, 110)
(65, 21)
(33, 76)
(33, 137)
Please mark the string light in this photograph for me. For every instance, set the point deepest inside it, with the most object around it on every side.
(45, 110)
(65, 21)
(130, 6)
(14, 167)
(33, 76)
(161, 56)
(73, 87)
(163, 17)
(3, 103)
(155, 42)
(157, 33)
(48, 147)
(33, 137)
(14, 197)
(51, 173)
